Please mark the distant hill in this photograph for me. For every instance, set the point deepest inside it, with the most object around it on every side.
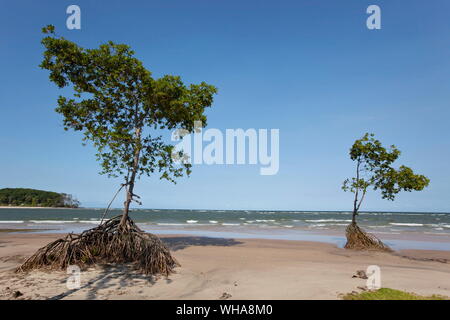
(36, 198)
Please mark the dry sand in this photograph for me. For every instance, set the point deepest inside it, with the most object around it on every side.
(244, 269)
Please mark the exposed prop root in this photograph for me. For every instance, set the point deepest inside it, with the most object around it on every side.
(358, 239)
(110, 242)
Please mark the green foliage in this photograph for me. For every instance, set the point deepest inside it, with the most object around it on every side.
(121, 108)
(390, 294)
(48, 29)
(374, 169)
(36, 198)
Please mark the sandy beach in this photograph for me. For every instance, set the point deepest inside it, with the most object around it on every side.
(232, 269)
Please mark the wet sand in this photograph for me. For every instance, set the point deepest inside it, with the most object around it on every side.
(241, 268)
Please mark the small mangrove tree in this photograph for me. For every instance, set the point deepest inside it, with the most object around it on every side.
(374, 170)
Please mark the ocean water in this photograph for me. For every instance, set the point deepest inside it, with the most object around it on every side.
(290, 225)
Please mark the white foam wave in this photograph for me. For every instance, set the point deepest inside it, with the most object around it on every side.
(90, 221)
(439, 225)
(328, 220)
(381, 232)
(318, 225)
(53, 221)
(12, 221)
(406, 224)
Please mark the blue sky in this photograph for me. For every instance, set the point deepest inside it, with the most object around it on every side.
(309, 68)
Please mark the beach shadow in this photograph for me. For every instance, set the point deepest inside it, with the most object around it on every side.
(179, 243)
(110, 277)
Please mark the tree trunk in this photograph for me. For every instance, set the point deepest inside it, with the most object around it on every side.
(355, 208)
(130, 187)
(354, 217)
(128, 199)
(355, 202)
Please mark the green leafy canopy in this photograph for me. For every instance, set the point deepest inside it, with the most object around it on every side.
(374, 169)
(120, 107)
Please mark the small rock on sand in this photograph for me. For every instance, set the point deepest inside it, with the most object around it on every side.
(360, 274)
(225, 296)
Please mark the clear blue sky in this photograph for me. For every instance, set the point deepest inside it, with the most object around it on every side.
(310, 68)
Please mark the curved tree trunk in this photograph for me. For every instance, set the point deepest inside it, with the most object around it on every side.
(128, 199)
(130, 187)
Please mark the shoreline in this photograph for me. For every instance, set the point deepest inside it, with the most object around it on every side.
(52, 233)
(400, 231)
(243, 268)
(397, 241)
(412, 240)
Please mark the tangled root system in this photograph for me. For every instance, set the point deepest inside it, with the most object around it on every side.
(110, 242)
(358, 239)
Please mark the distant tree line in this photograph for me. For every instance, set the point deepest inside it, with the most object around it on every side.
(36, 198)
